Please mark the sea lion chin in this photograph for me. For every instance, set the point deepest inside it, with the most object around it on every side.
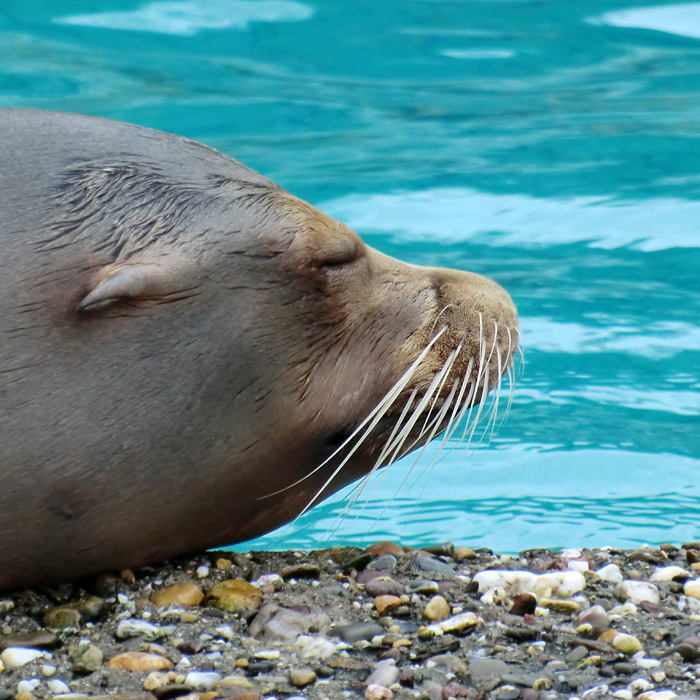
(191, 356)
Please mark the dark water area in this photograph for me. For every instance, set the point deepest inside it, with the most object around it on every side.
(553, 146)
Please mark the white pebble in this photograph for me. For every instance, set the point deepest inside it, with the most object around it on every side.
(639, 684)
(578, 565)
(226, 632)
(658, 676)
(689, 605)
(623, 693)
(132, 627)
(515, 582)
(19, 656)
(48, 670)
(202, 680)
(666, 573)
(559, 584)
(28, 685)
(570, 553)
(658, 695)
(496, 596)
(692, 588)
(385, 673)
(610, 573)
(597, 691)
(269, 654)
(648, 663)
(57, 686)
(267, 580)
(317, 648)
(378, 692)
(202, 571)
(637, 592)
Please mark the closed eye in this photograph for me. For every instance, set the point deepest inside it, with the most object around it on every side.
(345, 252)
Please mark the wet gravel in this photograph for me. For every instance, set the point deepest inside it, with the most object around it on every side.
(385, 622)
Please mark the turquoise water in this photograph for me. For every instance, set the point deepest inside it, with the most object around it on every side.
(554, 146)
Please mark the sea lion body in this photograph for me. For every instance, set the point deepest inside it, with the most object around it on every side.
(182, 342)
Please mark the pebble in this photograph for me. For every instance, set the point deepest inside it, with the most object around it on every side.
(524, 604)
(380, 548)
(480, 669)
(383, 585)
(425, 563)
(451, 662)
(385, 562)
(155, 680)
(458, 623)
(637, 592)
(187, 594)
(437, 609)
(456, 690)
(626, 643)
(668, 573)
(304, 570)
(358, 631)
(692, 588)
(422, 586)
(378, 692)
(139, 661)
(57, 686)
(315, 648)
(14, 657)
(27, 686)
(639, 684)
(202, 680)
(235, 596)
(514, 582)
(63, 618)
(385, 673)
(301, 677)
(568, 607)
(610, 573)
(35, 640)
(559, 584)
(383, 603)
(132, 627)
(577, 654)
(86, 658)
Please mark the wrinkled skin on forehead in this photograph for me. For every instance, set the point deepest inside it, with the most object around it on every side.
(181, 341)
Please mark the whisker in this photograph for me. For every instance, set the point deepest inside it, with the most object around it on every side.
(388, 400)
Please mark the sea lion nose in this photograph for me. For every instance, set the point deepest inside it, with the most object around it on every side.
(475, 294)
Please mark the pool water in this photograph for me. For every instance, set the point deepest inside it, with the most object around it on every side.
(553, 146)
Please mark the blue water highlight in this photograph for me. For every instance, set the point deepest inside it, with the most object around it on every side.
(552, 146)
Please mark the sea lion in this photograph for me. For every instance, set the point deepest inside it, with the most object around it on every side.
(191, 356)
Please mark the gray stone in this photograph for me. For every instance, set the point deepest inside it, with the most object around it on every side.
(482, 669)
(276, 624)
(423, 586)
(577, 654)
(425, 563)
(385, 562)
(380, 586)
(357, 631)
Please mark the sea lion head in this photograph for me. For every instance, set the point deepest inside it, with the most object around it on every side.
(337, 359)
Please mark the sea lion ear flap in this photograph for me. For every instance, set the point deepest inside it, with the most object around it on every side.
(126, 282)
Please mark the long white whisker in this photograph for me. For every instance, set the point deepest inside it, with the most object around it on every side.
(389, 400)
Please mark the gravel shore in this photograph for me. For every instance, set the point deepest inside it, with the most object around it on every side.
(387, 621)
